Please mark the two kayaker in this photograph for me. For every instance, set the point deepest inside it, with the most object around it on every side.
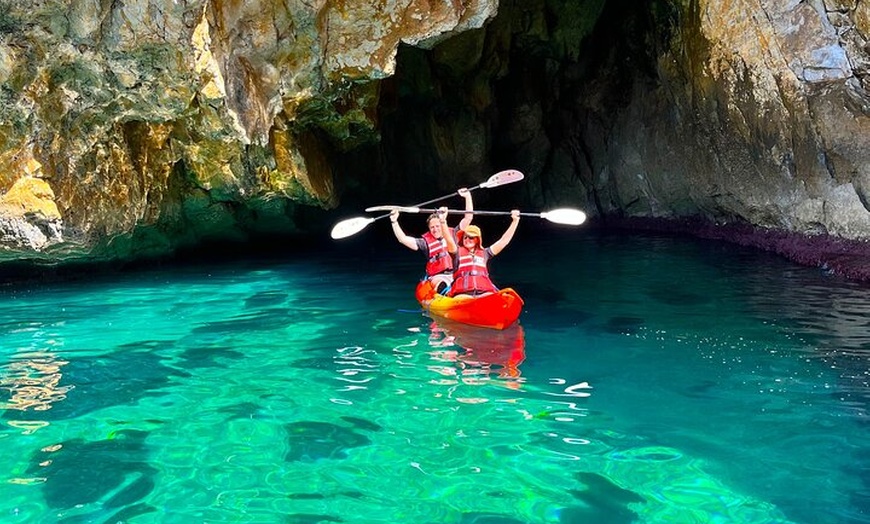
(433, 243)
(471, 274)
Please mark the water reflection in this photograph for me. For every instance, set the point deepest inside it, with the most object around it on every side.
(356, 367)
(32, 381)
(829, 323)
(475, 355)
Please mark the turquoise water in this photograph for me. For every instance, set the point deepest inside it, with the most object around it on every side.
(651, 379)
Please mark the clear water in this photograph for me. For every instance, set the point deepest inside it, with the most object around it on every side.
(652, 379)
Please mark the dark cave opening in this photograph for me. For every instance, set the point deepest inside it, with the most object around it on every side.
(519, 94)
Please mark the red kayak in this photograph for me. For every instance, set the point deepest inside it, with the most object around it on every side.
(494, 310)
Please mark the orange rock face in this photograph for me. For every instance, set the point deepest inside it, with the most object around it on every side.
(166, 115)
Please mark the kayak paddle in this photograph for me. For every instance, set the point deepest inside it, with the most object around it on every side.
(563, 215)
(352, 226)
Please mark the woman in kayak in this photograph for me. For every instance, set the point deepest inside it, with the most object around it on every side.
(433, 243)
(471, 276)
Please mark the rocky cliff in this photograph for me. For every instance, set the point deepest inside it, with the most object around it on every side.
(132, 128)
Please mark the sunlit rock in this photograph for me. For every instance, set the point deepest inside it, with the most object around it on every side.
(163, 123)
(29, 218)
(166, 123)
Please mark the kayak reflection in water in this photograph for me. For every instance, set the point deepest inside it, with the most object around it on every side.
(479, 353)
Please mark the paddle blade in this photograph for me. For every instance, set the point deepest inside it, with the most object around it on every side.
(567, 216)
(350, 227)
(503, 177)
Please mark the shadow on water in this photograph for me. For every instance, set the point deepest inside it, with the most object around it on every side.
(619, 325)
(261, 320)
(555, 318)
(674, 296)
(111, 473)
(241, 411)
(310, 440)
(266, 299)
(41, 387)
(603, 502)
(207, 355)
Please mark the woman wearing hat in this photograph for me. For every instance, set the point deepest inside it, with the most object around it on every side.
(471, 274)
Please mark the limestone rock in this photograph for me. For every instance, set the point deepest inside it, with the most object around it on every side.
(172, 121)
(755, 112)
(742, 112)
(29, 218)
(163, 123)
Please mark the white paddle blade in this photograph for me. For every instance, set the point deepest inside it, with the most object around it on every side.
(565, 215)
(350, 227)
(401, 209)
(503, 177)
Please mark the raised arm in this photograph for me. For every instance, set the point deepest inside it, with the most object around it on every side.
(403, 239)
(469, 206)
(448, 238)
(508, 235)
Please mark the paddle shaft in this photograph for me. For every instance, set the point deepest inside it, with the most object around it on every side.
(476, 212)
(431, 201)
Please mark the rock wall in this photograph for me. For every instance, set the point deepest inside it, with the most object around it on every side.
(130, 128)
(763, 107)
(738, 112)
(733, 114)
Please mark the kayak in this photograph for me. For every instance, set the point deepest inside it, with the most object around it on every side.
(494, 310)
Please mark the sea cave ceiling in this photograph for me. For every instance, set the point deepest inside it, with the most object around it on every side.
(132, 129)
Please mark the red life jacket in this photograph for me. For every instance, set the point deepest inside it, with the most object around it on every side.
(439, 259)
(471, 274)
